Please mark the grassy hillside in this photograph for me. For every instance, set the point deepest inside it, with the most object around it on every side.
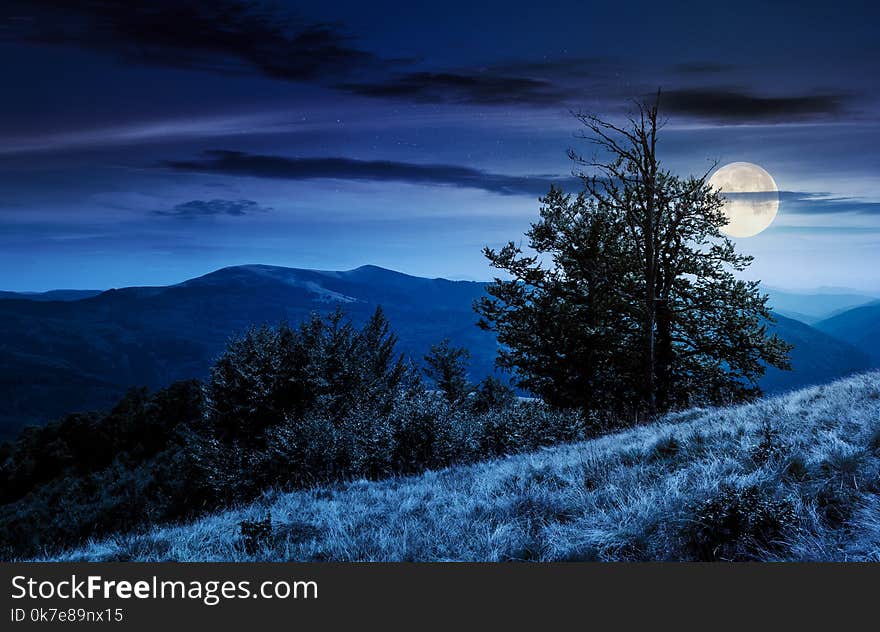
(795, 477)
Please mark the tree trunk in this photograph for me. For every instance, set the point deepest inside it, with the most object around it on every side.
(650, 320)
(663, 356)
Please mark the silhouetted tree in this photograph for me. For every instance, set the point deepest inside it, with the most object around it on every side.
(630, 302)
(326, 366)
(492, 394)
(447, 367)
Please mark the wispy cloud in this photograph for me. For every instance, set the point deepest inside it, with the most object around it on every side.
(231, 36)
(138, 132)
(732, 106)
(804, 203)
(209, 208)
(281, 167)
(481, 88)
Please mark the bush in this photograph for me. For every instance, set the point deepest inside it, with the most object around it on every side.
(91, 474)
(492, 394)
(256, 534)
(769, 447)
(326, 366)
(737, 523)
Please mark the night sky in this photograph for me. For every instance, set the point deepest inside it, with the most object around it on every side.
(146, 142)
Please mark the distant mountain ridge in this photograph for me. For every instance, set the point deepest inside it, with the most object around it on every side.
(63, 356)
(59, 357)
(859, 326)
(816, 357)
(815, 305)
(51, 295)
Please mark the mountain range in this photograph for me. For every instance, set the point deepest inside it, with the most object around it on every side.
(816, 305)
(68, 352)
(51, 295)
(859, 326)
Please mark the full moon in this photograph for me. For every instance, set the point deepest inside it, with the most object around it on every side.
(751, 198)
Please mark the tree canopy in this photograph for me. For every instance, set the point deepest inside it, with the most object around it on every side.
(628, 301)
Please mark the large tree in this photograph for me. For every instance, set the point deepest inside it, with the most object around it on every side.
(628, 301)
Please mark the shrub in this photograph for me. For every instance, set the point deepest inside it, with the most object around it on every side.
(664, 449)
(92, 474)
(737, 523)
(326, 366)
(256, 534)
(492, 394)
(769, 446)
(529, 426)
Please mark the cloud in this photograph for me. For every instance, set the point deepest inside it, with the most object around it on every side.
(280, 167)
(804, 203)
(209, 208)
(530, 82)
(731, 106)
(232, 36)
(480, 88)
(246, 37)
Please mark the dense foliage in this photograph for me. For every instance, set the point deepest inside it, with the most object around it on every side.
(628, 302)
(285, 407)
(447, 367)
(91, 474)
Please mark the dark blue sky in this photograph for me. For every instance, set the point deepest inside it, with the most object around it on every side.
(148, 142)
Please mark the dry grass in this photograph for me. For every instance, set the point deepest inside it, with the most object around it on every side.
(795, 477)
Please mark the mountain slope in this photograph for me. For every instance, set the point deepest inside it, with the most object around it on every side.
(795, 477)
(59, 357)
(51, 295)
(811, 307)
(817, 358)
(859, 326)
(94, 349)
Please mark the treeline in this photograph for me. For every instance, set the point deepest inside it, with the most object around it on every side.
(284, 407)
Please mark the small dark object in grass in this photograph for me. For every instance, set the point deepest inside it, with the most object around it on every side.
(295, 532)
(256, 534)
(796, 470)
(836, 503)
(769, 447)
(664, 449)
